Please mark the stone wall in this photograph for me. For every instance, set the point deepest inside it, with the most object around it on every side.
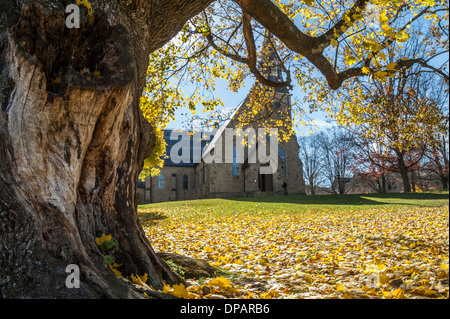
(173, 186)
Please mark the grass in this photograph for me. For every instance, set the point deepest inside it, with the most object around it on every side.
(295, 204)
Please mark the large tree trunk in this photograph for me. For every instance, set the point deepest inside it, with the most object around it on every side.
(383, 183)
(312, 189)
(72, 144)
(442, 171)
(403, 172)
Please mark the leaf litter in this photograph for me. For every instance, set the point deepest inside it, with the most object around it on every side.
(383, 253)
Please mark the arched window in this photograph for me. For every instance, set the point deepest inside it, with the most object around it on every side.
(185, 182)
(161, 182)
(235, 163)
(282, 154)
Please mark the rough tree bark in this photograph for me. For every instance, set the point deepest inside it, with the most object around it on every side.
(72, 143)
(403, 169)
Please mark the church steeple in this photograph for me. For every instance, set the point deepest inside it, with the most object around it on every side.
(270, 65)
(264, 103)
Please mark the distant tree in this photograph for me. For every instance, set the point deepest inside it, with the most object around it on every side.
(337, 148)
(437, 161)
(369, 164)
(436, 157)
(312, 157)
(377, 162)
(401, 115)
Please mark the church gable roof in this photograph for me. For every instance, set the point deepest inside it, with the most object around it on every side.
(271, 70)
(194, 148)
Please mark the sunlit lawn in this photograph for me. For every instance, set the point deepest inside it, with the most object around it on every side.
(332, 246)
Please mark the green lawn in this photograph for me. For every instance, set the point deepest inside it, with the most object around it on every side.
(297, 204)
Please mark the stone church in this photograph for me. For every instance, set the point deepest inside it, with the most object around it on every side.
(201, 178)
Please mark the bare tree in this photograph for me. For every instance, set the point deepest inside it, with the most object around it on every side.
(312, 157)
(338, 158)
(436, 157)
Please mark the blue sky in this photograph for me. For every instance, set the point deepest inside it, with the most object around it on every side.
(233, 99)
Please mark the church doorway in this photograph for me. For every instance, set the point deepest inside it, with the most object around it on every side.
(266, 181)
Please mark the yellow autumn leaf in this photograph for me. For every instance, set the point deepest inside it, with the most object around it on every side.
(340, 287)
(250, 295)
(102, 239)
(398, 293)
(115, 271)
(167, 289)
(346, 295)
(380, 75)
(223, 284)
(308, 278)
(383, 278)
(423, 291)
(208, 249)
(391, 66)
(351, 60)
(180, 291)
(266, 295)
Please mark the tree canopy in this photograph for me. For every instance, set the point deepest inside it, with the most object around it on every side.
(339, 39)
(320, 46)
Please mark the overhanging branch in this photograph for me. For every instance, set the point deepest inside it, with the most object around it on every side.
(251, 48)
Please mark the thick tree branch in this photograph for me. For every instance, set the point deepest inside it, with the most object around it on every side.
(405, 64)
(251, 48)
(251, 60)
(273, 19)
(229, 55)
(169, 17)
(342, 25)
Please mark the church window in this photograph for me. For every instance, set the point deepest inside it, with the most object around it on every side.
(235, 163)
(282, 154)
(185, 182)
(204, 173)
(161, 182)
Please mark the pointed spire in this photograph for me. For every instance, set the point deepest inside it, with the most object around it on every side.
(270, 66)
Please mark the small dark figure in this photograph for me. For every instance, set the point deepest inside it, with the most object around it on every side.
(284, 188)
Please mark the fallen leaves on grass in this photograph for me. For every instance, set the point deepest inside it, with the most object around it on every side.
(377, 253)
